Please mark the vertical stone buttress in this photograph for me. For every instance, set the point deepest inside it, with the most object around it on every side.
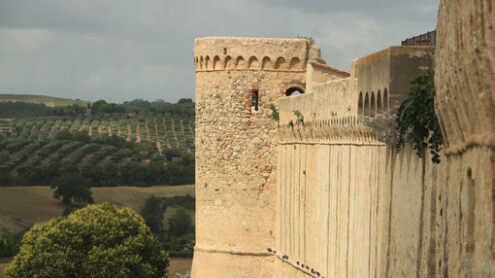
(236, 150)
(465, 103)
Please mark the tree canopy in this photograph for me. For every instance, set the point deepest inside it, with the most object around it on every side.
(96, 241)
(152, 211)
(3, 245)
(70, 186)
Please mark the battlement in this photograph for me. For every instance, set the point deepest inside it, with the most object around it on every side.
(227, 53)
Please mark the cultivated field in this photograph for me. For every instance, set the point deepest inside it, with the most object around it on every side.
(21, 207)
(164, 131)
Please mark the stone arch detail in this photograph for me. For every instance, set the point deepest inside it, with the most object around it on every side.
(201, 62)
(207, 62)
(372, 105)
(366, 106)
(216, 63)
(385, 101)
(294, 63)
(360, 104)
(280, 63)
(253, 63)
(266, 63)
(379, 103)
(240, 63)
(294, 88)
(228, 63)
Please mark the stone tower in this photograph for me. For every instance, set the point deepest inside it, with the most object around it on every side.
(236, 80)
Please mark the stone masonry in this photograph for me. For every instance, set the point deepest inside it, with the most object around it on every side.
(329, 196)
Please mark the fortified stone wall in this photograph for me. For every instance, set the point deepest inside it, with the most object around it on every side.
(465, 82)
(236, 150)
(349, 205)
(325, 193)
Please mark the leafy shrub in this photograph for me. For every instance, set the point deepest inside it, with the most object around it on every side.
(96, 241)
(3, 246)
(416, 118)
(4, 156)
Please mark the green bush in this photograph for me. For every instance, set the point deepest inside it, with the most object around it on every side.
(96, 241)
(416, 118)
(3, 246)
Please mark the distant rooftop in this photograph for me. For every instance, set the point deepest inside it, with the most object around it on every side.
(426, 39)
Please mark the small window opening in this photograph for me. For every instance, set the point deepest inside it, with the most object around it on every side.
(294, 91)
(254, 102)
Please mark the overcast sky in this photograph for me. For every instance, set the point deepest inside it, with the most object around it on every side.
(120, 50)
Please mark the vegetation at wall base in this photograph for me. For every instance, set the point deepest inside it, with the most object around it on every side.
(97, 241)
(416, 119)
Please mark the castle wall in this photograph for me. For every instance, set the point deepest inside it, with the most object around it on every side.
(320, 73)
(465, 83)
(349, 205)
(384, 78)
(358, 209)
(332, 99)
(325, 192)
(236, 151)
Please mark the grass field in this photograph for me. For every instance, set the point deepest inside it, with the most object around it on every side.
(21, 207)
(39, 99)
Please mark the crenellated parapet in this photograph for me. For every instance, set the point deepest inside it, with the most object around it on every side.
(256, 54)
(345, 130)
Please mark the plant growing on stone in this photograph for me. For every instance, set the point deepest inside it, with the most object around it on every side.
(300, 117)
(416, 119)
(275, 115)
(306, 37)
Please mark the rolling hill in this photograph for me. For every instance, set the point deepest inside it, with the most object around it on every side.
(135, 143)
(40, 99)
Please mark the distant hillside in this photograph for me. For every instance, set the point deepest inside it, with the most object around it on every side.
(39, 99)
(134, 143)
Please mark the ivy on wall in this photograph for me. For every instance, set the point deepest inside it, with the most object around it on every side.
(416, 119)
(275, 116)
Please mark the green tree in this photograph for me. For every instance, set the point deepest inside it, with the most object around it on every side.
(82, 137)
(179, 223)
(96, 241)
(70, 186)
(416, 119)
(3, 246)
(63, 135)
(152, 211)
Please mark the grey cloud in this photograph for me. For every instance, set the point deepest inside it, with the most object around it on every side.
(118, 49)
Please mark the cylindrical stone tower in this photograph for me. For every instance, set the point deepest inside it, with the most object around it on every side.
(236, 80)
